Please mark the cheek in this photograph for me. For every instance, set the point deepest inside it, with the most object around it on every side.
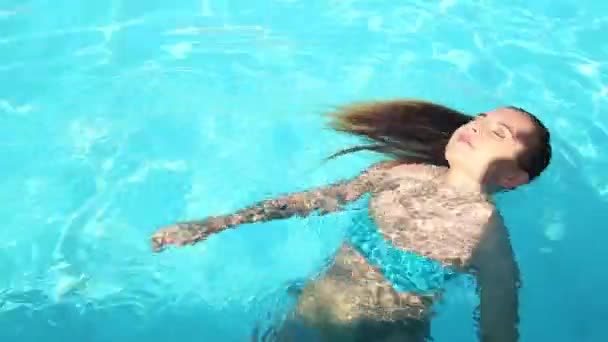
(480, 157)
(495, 157)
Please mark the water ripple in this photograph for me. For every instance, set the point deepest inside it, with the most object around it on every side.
(122, 116)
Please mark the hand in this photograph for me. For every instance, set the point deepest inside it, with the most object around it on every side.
(181, 234)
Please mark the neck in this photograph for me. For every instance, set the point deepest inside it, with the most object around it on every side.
(462, 182)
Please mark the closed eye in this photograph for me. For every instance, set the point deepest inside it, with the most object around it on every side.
(499, 134)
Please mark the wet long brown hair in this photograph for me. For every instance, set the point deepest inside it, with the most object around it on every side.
(417, 130)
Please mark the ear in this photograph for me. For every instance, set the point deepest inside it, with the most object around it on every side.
(514, 179)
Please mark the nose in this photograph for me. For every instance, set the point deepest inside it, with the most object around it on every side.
(474, 129)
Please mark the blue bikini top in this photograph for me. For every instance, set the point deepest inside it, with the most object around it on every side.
(406, 271)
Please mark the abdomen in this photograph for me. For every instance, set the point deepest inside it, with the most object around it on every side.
(353, 291)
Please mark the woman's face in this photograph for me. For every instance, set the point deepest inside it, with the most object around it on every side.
(488, 148)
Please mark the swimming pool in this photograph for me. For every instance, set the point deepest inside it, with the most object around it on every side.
(119, 116)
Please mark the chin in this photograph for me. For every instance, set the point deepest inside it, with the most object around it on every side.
(455, 157)
(464, 163)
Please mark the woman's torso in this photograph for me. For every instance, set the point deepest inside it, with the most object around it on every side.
(420, 214)
(412, 212)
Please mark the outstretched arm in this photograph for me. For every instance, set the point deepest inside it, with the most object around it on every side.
(498, 278)
(321, 200)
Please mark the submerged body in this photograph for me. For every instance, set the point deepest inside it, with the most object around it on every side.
(436, 205)
(415, 212)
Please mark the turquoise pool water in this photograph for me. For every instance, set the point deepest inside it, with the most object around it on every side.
(120, 116)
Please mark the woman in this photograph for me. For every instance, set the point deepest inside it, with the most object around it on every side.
(431, 217)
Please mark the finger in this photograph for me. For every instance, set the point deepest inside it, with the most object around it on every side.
(160, 240)
(157, 244)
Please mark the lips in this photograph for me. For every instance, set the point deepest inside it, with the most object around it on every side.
(465, 138)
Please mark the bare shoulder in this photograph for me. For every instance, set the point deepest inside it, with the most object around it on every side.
(405, 169)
